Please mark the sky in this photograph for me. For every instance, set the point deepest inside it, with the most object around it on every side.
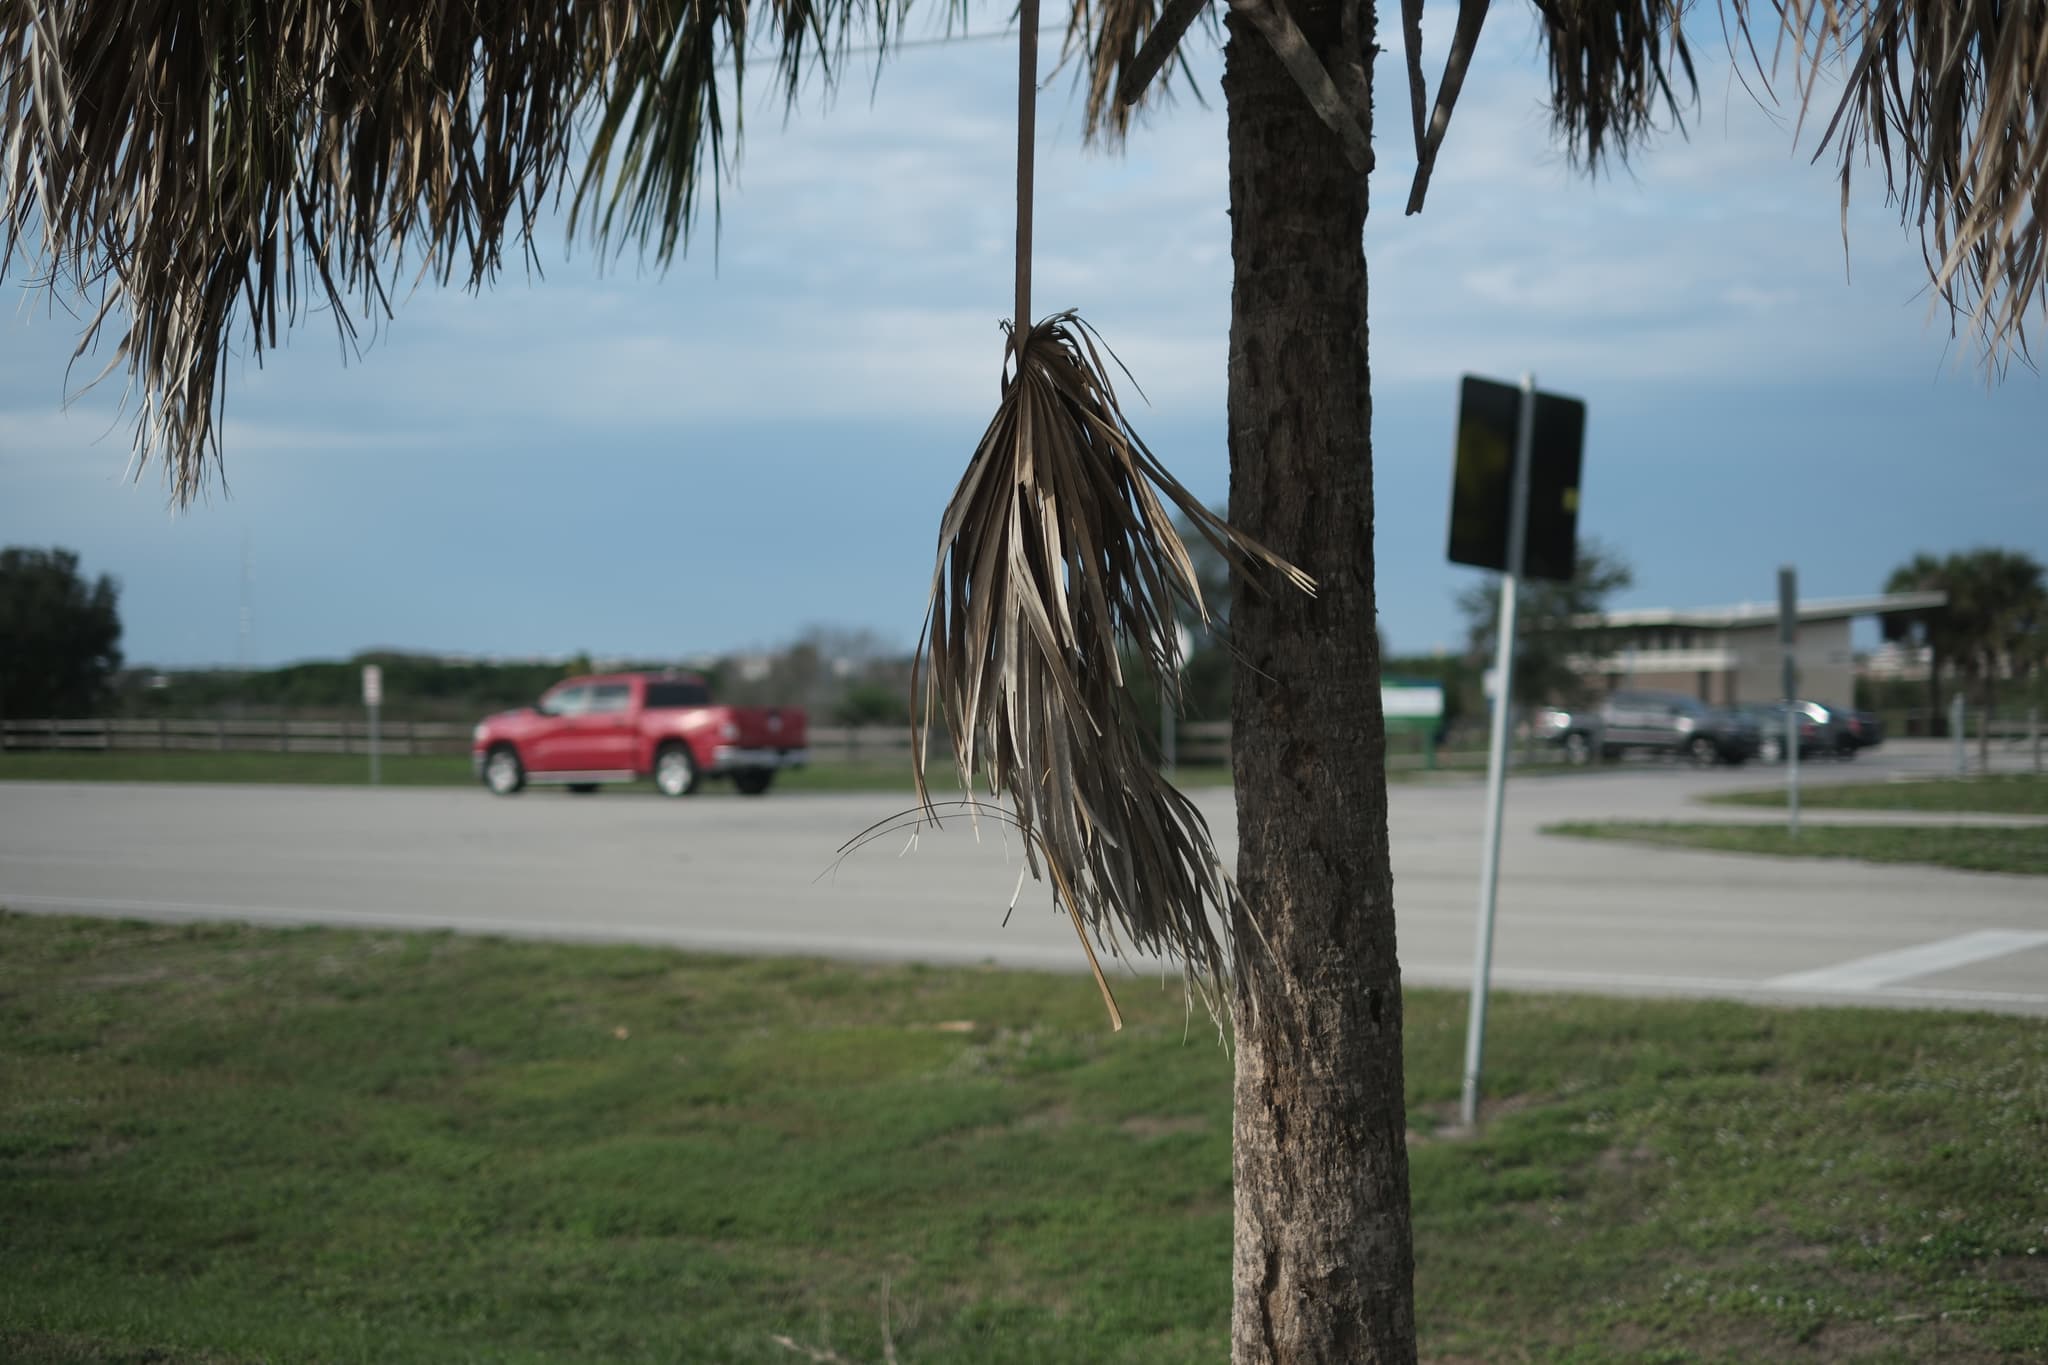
(610, 459)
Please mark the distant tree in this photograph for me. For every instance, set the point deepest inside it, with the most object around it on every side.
(60, 636)
(1994, 627)
(1554, 622)
(868, 703)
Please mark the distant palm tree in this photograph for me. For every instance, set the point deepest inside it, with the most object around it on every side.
(211, 170)
(1994, 626)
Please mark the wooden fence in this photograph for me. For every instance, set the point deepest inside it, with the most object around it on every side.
(1196, 742)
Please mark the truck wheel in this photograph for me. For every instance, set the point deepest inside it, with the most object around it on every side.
(1703, 752)
(504, 774)
(1578, 750)
(753, 781)
(675, 770)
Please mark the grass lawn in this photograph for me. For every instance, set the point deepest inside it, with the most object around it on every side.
(225, 1145)
(1973, 849)
(1997, 794)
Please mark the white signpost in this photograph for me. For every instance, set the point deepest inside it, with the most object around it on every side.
(1514, 509)
(1788, 642)
(1497, 755)
(373, 700)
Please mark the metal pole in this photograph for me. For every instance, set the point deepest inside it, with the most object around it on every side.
(1788, 639)
(1497, 755)
(375, 734)
(1955, 731)
(1791, 770)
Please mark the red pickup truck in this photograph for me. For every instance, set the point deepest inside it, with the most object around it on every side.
(621, 727)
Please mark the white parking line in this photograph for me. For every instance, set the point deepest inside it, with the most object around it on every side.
(1869, 973)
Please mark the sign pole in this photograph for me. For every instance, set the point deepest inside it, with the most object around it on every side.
(1497, 754)
(1788, 644)
(373, 699)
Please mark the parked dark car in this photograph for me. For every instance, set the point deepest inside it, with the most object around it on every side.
(1652, 722)
(1824, 731)
(1769, 718)
(1866, 728)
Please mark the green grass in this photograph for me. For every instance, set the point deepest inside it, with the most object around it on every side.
(227, 1145)
(1998, 794)
(1970, 848)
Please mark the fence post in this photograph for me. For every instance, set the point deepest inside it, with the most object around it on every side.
(1958, 741)
(220, 734)
(2034, 734)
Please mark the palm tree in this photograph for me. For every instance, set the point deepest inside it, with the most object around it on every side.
(1923, 573)
(207, 170)
(1994, 625)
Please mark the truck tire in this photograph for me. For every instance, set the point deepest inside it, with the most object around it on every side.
(1703, 752)
(504, 774)
(675, 770)
(753, 781)
(1578, 749)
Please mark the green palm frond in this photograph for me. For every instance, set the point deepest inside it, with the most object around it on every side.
(1055, 551)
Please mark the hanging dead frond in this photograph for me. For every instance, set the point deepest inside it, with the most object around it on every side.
(1612, 63)
(1952, 100)
(1056, 550)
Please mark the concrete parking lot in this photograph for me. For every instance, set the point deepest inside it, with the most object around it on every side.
(731, 875)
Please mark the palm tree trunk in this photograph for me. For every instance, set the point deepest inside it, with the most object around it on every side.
(1988, 704)
(1324, 1265)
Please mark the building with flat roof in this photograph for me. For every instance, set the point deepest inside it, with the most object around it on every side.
(1725, 655)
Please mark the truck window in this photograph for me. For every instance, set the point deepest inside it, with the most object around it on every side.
(673, 693)
(566, 701)
(610, 698)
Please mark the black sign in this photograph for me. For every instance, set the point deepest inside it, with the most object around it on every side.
(1482, 486)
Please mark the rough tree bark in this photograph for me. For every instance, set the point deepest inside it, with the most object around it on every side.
(1324, 1264)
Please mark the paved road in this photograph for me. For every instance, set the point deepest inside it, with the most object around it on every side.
(725, 874)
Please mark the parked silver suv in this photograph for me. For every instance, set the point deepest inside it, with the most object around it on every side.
(1657, 722)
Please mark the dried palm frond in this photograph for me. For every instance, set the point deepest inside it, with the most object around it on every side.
(1123, 44)
(1611, 67)
(191, 168)
(1055, 550)
(1953, 99)
(660, 115)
